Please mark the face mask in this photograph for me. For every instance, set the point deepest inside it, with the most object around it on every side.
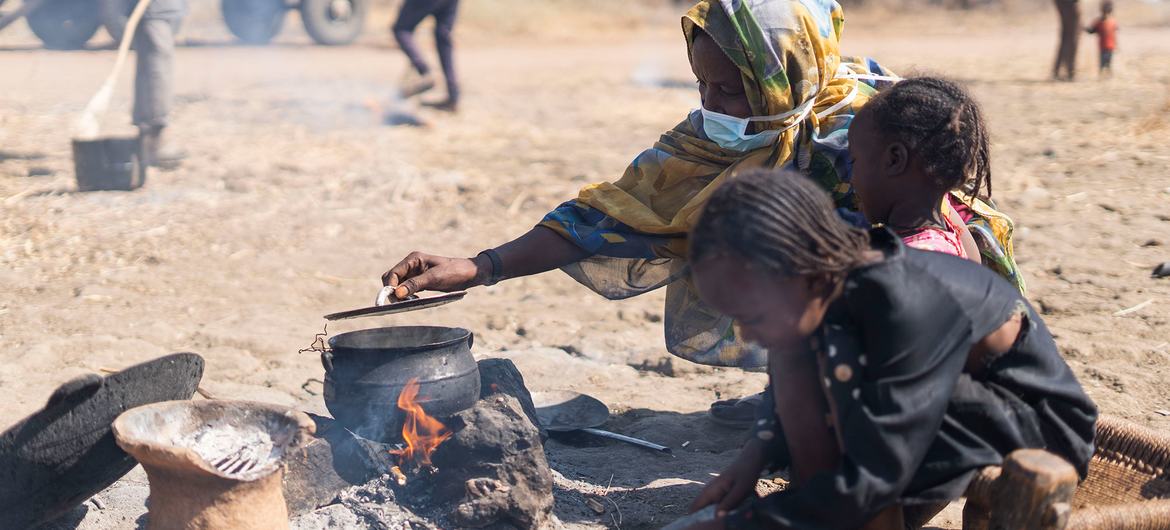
(731, 132)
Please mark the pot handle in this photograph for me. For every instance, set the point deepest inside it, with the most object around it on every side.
(470, 340)
(327, 361)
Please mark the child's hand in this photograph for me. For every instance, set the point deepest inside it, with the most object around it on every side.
(735, 483)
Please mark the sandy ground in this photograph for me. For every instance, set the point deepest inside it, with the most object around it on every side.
(296, 198)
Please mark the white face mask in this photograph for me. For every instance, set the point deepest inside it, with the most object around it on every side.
(730, 132)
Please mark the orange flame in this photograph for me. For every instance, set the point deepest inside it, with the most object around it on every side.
(422, 433)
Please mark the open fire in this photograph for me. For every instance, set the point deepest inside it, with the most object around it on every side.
(421, 433)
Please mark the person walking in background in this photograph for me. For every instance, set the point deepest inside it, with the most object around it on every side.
(154, 43)
(1106, 30)
(419, 78)
(1066, 53)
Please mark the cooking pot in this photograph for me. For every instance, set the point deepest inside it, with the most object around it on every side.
(366, 370)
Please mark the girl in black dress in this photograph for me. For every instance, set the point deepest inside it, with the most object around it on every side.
(895, 374)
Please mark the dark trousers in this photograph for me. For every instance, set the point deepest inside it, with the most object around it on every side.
(1070, 32)
(154, 79)
(412, 13)
(1106, 59)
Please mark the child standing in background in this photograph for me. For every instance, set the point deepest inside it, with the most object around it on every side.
(1106, 30)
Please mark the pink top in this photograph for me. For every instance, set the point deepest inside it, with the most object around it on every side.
(936, 239)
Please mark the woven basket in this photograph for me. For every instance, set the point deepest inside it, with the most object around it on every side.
(1128, 486)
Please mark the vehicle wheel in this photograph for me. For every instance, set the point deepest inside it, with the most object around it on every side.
(65, 24)
(334, 22)
(254, 21)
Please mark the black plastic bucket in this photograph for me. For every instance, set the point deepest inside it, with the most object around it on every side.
(108, 164)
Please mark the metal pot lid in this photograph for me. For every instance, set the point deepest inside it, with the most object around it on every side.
(564, 410)
(64, 453)
(414, 304)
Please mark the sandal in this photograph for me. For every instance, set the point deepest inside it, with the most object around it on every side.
(736, 413)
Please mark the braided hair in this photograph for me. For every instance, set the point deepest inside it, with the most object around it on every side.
(943, 125)
(778, 219)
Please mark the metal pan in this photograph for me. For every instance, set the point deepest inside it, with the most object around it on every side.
(565, 411)
(414, 304)
(64, 453)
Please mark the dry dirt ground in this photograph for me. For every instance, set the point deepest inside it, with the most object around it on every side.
(296, 198)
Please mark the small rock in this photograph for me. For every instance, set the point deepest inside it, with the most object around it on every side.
(1162, 412)
(1152, 243)
(500, 376)
(39, 171)
(491, 471)
(1162, 271)
(651, 316)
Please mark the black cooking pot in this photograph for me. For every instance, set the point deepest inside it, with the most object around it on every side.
(366, 370)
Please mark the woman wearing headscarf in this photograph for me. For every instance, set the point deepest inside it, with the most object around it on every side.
(776, 93)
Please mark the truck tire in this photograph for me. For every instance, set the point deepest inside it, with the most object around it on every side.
(334, 22)
(254, 21)
(65, 24)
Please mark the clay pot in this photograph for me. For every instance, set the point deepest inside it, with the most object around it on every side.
(213, 465)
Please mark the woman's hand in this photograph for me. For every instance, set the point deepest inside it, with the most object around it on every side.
(735, 483)
(424, 272)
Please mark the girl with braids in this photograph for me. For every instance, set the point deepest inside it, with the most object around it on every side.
(911, 146)
(894, 374)
(920, 145)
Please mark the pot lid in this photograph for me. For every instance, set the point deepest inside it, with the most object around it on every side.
(413, 304)
(64, 453)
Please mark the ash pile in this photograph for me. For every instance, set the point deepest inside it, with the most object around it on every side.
(482, 467)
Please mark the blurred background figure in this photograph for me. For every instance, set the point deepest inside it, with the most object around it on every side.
(1066, 53)
(1106, 30)
(154, 90)
(419, 79)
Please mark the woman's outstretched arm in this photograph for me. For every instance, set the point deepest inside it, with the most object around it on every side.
(539, 250)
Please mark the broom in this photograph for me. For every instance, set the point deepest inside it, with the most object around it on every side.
(87, 126)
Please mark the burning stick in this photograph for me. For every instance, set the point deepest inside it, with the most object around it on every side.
(399, 476)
